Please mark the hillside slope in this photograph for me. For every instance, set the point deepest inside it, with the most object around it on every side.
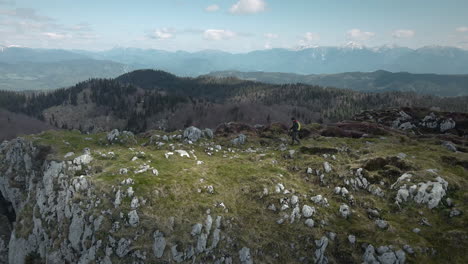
(148, 99)
(158, 198)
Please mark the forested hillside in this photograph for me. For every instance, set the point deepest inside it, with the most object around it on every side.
(147, 99)
(378, 81)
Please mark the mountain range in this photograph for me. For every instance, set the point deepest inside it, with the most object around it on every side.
(355, 67)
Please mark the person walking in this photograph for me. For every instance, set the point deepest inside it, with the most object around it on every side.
(295, 128)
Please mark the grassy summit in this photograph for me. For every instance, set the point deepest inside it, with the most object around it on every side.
(245, 180)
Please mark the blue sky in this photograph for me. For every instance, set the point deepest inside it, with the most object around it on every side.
(231, 25)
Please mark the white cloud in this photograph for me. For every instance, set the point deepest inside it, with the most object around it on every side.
(403, 33)
(271, 36)
(218, 34)
(462, 29)
(163, 33)
(57, 36)
(212, 8)
(248, 7)
(311, 37)
(357, 34)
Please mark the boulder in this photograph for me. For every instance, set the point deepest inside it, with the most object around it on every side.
(382, 224)
(308, 211)
(192, 133)
(133, 218)
(124, 137)
(345, 211)
(319, 254)
(450, 146)
(327, 167)
(447, 125)
(309, 222)
(208, 133)
(244, 256)
(159, 244)
(240, 140)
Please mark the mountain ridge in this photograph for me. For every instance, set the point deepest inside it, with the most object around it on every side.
(377, 81)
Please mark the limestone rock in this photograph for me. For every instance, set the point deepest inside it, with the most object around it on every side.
(345, 211)
(308, 211)
(382, 224)
(309, 222)
(192, 133)
(447, 125)
(133, 218)
(240, 140)
(319, 254)
(327, 167)
(450, 146)
(208, 133)
(123, 247)
(244, 256)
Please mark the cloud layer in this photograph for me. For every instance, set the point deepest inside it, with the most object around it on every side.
(163, 33)
(212, 8)
(359, 35)
(403, 33)
(218, 34)
(248, 7)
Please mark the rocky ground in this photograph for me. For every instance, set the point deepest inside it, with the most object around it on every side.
(353, 192)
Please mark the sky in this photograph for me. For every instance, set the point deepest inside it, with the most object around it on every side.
(231, 25)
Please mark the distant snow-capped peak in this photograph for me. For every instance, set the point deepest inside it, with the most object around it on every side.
(354, 45)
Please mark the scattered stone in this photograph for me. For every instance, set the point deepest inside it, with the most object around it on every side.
(183, 153)
(130, 191)
(208, 133)
(327, 167)
(309, 222)
(123, 247)
(450, 146)
(123, 171)
(196, 229)
(240, 140)
(294, 200)
(279, 188)
(69, 155)
(244, 256)
(134, 204)
(408, 249)
(447, 125)
(133, 218)
(319, 254)
(345, 211)
(382, 224)
(401, 155)
(159, 244)
(192, 134)
(210, 189)
(416, 230)
(308, 211)
(319, 199)
(352, 239)
(455, 212)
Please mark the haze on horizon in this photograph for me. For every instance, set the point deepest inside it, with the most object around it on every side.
(231, 25)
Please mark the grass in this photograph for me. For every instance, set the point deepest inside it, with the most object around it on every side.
(239, 179)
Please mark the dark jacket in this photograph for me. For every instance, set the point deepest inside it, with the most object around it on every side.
(295, 126)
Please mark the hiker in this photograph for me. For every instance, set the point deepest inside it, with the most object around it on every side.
(296, 127)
